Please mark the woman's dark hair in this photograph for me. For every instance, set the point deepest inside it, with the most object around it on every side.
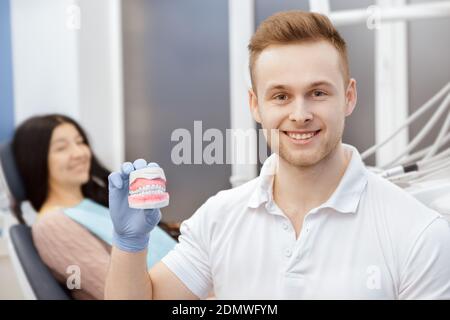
(30, 145)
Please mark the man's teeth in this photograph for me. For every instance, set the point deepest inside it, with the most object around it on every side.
(149, 189)
(301, 136)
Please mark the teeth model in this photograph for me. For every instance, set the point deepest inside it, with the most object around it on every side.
(147, 189)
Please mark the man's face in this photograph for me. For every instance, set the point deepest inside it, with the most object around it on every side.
(301, 91)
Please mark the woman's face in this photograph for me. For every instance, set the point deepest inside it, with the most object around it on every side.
(69, 157)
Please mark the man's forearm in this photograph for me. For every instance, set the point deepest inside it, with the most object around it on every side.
(128, 276)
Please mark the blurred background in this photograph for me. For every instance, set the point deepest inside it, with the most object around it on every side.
(136, 70)
(131, 72)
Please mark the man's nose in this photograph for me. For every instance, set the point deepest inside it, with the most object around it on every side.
(300, 112)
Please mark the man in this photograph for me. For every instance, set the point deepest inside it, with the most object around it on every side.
(316, 223)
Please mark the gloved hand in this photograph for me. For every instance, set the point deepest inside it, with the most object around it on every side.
(131, 226)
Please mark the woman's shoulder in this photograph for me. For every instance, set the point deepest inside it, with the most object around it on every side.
(52, 225)
(46, 208)
(57, 227)
(55, 231)
(50, 218)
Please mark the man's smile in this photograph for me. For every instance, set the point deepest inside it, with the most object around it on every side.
(301, 136)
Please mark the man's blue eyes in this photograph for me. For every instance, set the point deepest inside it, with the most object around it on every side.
(315, 93)
(281, 97)
(321, 93)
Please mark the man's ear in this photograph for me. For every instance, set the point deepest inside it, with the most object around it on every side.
(254, 107)
(350, 97)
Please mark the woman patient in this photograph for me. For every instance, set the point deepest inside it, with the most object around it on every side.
(67, 186)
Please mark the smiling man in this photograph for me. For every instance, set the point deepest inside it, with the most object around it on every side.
(316, 224)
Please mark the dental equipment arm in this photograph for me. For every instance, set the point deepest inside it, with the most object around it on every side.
(421, 153)
(423, 132)
(411, 119)
(402, 169)
(441, 136)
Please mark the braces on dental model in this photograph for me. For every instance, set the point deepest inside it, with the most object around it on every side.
(147, 189)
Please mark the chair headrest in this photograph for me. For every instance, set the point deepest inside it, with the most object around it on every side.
(12, 176)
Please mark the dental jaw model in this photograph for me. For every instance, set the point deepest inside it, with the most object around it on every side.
(147, 189)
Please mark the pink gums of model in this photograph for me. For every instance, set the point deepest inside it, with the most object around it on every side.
(148, 189)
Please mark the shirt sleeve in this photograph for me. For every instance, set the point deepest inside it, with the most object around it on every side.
(426, 274)
(62, 243)
(189, 260)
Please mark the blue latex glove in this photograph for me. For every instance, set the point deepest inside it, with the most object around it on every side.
(131, 226)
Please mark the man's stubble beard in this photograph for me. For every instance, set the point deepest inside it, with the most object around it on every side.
(304, 160)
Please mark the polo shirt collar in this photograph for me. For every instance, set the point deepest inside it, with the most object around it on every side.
(345, 198)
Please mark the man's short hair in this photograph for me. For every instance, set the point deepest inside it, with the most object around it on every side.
(296, 27)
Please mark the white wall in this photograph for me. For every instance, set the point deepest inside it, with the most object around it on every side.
(70, 69)
(45, 59)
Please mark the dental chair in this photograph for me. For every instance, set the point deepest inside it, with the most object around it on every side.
(35, 278)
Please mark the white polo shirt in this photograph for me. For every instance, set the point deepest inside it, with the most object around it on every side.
(369, 240)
